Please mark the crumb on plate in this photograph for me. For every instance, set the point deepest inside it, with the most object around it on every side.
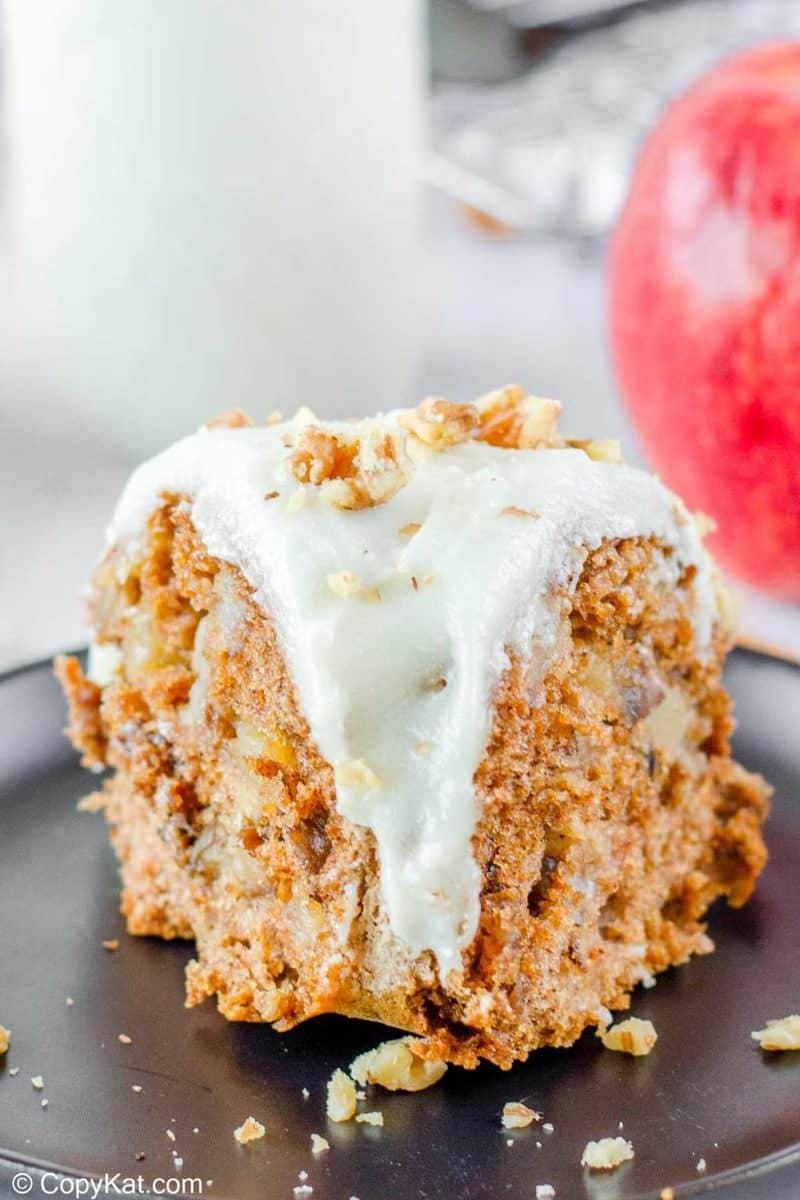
(341, 1104)
(517, 1115)
(249, 1131)
(633, 1036)
(783, 1033)
(606, 1154)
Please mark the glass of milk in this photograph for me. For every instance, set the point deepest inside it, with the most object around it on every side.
(215, 204)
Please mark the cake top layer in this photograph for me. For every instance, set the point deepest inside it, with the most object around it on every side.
(402, 559)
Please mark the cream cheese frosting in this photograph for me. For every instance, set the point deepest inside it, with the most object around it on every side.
(396, 637)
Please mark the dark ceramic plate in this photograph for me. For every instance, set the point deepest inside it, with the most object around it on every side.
(706, 1091)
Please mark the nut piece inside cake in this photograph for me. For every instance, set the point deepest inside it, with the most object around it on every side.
(445, 747)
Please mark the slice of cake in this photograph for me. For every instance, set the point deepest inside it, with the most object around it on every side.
(417, 719)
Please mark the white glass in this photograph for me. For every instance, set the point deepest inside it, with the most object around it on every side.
(215, 203)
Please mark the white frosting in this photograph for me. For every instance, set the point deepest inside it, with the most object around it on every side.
(360, 668)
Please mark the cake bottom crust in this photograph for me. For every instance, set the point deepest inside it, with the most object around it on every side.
(612, 813)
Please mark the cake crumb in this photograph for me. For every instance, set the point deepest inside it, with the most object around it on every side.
(394, 1065)
(38, 1083)
(545, 1191)
(305, 1093)
(274, 418)
(178, 1161)
(548, 1127)
(701, 1166)
(341, 1104)
(783, 1033)
(303, 1191)
(45, 1102)
(633, 1036)
(93, 803)
(517, 1115)
(5, 1039)
(111, 944)
(606, 1154)
(13, 1070)
(666, 1193)
(319, 1144)
(136, 1087)
(370, 1118)
(249, 1131)
(271, 495)
(409, 530)
(139, 1156)
(69, 1002)
(170, 1135)
(125, 1039)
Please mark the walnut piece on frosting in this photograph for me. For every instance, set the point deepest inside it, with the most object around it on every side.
(361, 471)
(606, 450)
(633, 1036)
(780, 1034)
(514, 420)
(606, 1154)
(5, 1039)
(394, 1065)
(441, 423)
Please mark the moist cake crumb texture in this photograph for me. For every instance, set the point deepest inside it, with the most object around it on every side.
(417, 719)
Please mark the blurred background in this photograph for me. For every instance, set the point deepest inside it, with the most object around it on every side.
(348, 206)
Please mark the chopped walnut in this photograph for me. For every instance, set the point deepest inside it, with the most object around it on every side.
(606, 450)
(780, 1034)
(341, 1097)
(518, 1116)
(319, 1144)
(110, 944)
(511, 510)
(394, 1066)
(704, 524)
(5, 1039)
(344, 583)
(606, 1154)
(514, 420)
(633, 1036)
(234, 418)
(361, 472)
(249, 1131)
(440, 423)
(370, 1118)
(409, 530)
(356, 774)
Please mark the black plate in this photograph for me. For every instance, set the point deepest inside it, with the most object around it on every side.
(706, 1091)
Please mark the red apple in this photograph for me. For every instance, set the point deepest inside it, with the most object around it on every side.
(705, 308)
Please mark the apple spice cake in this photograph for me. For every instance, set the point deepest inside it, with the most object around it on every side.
(416, 719)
